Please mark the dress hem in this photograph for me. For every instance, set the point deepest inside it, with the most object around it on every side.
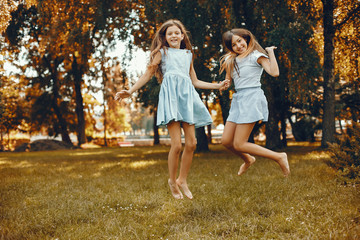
(245, 122)
(197, 125)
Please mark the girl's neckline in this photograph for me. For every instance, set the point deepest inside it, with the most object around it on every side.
(177, 48)
(237, 57)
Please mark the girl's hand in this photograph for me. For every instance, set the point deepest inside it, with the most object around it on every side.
(270, 49)
(227, 83)
(224, 85)
(122, 94)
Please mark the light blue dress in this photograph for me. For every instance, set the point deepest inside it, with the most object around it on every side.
(249, 103)
(178, 99)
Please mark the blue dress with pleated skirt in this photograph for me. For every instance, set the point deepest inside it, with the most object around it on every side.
(178, 99)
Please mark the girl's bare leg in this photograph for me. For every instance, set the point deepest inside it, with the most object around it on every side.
(228, 141)
(186, 158)
(242, 133)
(173, 157)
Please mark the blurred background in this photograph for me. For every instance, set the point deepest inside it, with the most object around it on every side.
(61, 62)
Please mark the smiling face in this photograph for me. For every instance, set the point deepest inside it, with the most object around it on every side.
(174, 36)
(239, 44)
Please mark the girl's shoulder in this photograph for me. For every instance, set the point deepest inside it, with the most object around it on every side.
(256, 54)
(252, 56)
(175, 50)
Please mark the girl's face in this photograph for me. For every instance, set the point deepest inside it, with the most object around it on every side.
(174, 36)
(238, 44)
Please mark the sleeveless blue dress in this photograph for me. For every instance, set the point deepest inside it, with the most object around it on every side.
(178, 99)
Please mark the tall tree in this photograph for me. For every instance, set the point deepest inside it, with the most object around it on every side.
(70, 32)
(328, 129)
(47, 70)
(79, 27)
(345, 13)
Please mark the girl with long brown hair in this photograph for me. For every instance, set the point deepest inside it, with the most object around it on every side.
(244, 64)
(171, 61)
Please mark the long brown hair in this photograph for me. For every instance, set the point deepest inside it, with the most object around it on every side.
(227, 61)
(159, 42)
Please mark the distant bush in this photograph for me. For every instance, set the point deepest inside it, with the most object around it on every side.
(304, 129)
(44, 145)
(345, 155)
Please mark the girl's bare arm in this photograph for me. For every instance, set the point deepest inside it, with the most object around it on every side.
(270, 64)
(204, 85)
(142, 80)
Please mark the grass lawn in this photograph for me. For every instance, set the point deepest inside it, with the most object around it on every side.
(122, 193)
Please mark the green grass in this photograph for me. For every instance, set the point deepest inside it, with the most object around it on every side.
(122, 193)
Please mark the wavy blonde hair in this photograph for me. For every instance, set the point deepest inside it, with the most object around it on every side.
(227, 61)
(159, 42)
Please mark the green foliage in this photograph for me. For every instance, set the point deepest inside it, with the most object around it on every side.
(60, 38)
(350, 99)
(12, 107)
(345, 155)
(148, 95)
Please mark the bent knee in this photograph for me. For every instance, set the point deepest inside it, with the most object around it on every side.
(226, 143)
(176, 147)
(240, 147)
(191, 145)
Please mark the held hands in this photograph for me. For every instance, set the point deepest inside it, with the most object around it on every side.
(224, 85)
(122, 94)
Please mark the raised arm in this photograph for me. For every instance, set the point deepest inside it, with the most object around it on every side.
(204, 85)
(270, 64)
(142, 80)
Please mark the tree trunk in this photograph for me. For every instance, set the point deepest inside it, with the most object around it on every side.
(79, 109)
(328, 124)
(209, 136)
(56, 98)
(156, 130)
(62, 122)
(224, 100)
(105, 124)
(1, 143)
(272, 132)
(105, 96)
(283, 132)
(356, 108)
(341, 128)
(253, 132)
(8, 133)
(202, 143)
